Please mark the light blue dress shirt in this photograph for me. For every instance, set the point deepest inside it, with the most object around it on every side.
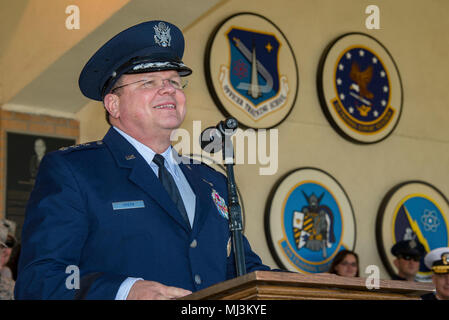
(187, 194)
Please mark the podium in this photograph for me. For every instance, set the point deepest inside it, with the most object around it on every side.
(271, 285)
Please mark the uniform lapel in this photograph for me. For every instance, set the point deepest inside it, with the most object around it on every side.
(141, 174)
(203, 194)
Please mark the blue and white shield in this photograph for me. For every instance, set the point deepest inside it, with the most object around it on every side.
(251, 71)
(253, 74)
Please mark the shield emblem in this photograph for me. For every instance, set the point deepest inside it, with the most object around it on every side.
(254, 70)
(251, 71)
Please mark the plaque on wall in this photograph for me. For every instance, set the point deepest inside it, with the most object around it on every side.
(251, 71)
(412, 210)
(309, 219)
(360, 89)
(24, 154)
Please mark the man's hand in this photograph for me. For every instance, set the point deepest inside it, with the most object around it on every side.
(151, 290)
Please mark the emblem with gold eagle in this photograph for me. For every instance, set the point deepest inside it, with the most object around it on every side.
(360, 88)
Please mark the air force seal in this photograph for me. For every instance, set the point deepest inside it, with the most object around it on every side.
(363, 90)
(251, 71)
(309, 220)
(253, 76)
(360, 89)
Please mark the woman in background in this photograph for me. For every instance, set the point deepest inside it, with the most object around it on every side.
(346, 264)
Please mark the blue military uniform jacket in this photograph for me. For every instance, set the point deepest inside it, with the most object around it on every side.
(71, 221)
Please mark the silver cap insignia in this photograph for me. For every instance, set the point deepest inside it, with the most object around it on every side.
(162, 35)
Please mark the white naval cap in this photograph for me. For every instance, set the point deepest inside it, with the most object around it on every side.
(438, 260)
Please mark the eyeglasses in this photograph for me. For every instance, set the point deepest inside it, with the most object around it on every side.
(408, 258)
(352, 264)
(10, 242)
(157, 83)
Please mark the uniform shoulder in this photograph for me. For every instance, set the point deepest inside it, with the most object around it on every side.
(210, 169)
(203, 168)
(201, 165)
(82, 146)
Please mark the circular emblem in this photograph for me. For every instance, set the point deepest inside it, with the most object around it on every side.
(251, 71)
(309, 219)
(360, 88)
(413, 210)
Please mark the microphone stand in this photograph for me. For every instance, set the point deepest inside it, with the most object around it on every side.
(235, 211)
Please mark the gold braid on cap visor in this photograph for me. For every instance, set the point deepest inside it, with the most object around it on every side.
(440, 269)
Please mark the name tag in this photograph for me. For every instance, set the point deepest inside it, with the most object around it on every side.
(128, 205)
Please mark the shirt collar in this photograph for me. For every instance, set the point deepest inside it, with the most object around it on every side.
(148, 154)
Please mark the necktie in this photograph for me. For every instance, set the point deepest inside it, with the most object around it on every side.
(169, 184)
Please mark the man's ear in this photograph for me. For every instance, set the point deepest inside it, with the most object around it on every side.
(112, 105)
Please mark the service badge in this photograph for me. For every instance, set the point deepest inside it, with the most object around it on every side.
(360, 88)
(309, 219)
(221, 204)
(251, 71)
(413, 210)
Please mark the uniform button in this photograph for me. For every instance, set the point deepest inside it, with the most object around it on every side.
(197, 279)
(193, 244)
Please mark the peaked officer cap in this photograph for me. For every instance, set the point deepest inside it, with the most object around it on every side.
(146, 47)
(438, 260)
(408, 248)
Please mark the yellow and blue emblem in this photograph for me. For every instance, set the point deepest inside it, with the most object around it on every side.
(360, 88)
(413, 211)
(310, 221)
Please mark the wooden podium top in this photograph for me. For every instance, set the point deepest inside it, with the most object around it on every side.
(270, 285)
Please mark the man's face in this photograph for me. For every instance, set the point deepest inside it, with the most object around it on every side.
(145, 110)
(408, 266)
(441, 282)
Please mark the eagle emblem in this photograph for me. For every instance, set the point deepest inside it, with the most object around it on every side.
(363, 91)
(361, 79)
(162, 35)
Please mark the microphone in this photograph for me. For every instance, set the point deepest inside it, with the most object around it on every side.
(228, 126)
(211, 139)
